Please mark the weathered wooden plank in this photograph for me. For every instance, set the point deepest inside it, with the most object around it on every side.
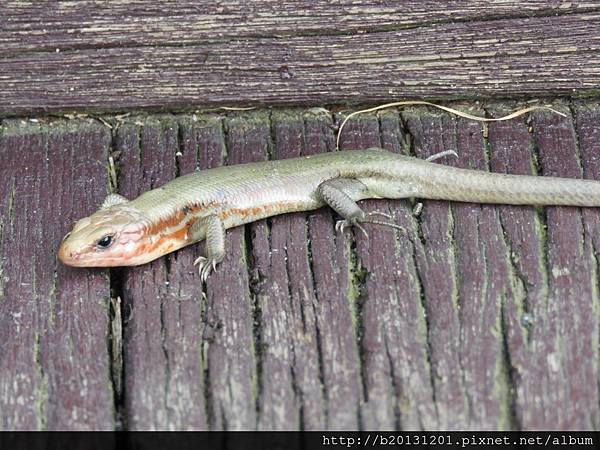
(511, 151)
(146, 161)
(588, 134)
(444, 60)
(54, 321)
(32, 26)
(587, 119)
(309, 357)
(290, 392)
(394, 355)
(551, 320)
(334, 304)
(572, 300)
(164, 376)
(462, 266)
(231, 352)
(436, 261)
(481, 258)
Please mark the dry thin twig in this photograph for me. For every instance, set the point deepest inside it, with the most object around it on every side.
(112, 172)
(236, 108)
(512, 115)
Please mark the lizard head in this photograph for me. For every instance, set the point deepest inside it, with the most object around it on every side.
(120, 235)
(112, 236)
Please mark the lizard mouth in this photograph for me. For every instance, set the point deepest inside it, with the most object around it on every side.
(69, 255)
(65, 255)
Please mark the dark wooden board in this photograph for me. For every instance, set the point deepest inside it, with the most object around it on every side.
(479, 317)
(55, 364)
(394, 350)
(163, 383)
(80, 56)
(32, 26)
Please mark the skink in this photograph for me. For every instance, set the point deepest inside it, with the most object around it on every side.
(202, 205)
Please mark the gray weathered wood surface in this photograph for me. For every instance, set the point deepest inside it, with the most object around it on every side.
(54, 323)
(82, 55)
(481, 317)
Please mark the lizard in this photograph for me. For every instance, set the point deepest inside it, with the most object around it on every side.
(204, 204)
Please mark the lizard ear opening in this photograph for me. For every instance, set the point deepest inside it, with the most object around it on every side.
(113, 199)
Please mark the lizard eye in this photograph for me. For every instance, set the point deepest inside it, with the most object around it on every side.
(105, 241)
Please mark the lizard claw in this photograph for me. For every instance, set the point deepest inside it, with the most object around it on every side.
(200, 261)
(341, 226)
(205, 267)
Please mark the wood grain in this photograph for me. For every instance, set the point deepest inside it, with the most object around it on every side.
(391, 320)
(118, 57)
(163, 364)
(54, 322)
(32, 26)
(572, 287)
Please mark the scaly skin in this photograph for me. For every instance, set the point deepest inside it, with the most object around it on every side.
(174, 215)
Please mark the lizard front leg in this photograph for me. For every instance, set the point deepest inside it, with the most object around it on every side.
(338, 193)
(213, 230)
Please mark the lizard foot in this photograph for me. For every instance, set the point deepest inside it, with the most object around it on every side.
(341, 225)
(205, 267)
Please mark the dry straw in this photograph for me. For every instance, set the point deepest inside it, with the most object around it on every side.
(512, 115)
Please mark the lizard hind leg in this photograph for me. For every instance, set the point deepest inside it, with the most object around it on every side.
(213, 229)
(340, 195)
